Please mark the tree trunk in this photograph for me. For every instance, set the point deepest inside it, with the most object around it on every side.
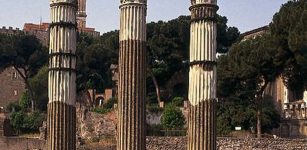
(25, 77)
(93, 98)
(31, 95)
(154, 80)
(259, 123)
(259, 99)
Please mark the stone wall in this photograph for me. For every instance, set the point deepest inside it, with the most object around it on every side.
(294, 128)
(15, 143)
(153, 118)
(92, 125)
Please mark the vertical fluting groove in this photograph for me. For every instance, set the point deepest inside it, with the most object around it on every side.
(61, 121)
(202, 76)
(132, 69)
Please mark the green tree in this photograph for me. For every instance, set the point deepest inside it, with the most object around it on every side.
(26, 54)
(289, 31)
(168, 49)
(172, 118)
(94, 59)
(39, 84)
(254, 64)
(244, 74)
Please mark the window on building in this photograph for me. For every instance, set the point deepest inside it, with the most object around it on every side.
(15, 92)
(15, 75)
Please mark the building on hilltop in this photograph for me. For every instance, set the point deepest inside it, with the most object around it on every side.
(292, 107)
(41, 31)
(10, 31)
(81, 20)
(255, 32)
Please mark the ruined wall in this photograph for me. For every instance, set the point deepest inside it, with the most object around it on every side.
(15, 143)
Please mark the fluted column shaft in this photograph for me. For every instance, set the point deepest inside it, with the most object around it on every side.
(202, 76)
(61, 119)
(132, 76)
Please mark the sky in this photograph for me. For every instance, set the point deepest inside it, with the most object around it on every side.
(104, 14)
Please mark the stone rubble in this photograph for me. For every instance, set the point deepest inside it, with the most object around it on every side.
(179, 143)
(228, 143)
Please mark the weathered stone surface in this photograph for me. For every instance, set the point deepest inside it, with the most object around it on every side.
(61, 118)
(133, 1)
(132, 75)
(43, 131)
(202, 76)
(95, 125)
(180, 143)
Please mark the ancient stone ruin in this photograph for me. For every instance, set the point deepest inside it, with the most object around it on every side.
(132, 75)
(202, 76)
(61, 123)
(61, 119)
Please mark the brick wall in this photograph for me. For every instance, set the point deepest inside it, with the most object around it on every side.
(12, 86)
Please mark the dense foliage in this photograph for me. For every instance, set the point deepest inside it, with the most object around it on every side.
(168, 54)
(172, 118)
(39, 83)
(243, 75)
(27, 122)
(289, 30)
(94, 59)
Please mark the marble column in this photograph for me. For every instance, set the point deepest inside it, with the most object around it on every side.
(132, 75)
(202, 76)
(61, 118)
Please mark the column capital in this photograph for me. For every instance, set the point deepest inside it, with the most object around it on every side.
(133, 1)
(196, 2)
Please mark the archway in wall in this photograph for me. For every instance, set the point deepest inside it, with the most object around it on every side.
(99, 101)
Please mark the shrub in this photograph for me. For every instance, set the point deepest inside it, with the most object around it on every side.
(25, 101)
(172, 118)
(100, 110)
(26, 123)
(17, 119)
(178, 101)
(33, 121)
(110, 103)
